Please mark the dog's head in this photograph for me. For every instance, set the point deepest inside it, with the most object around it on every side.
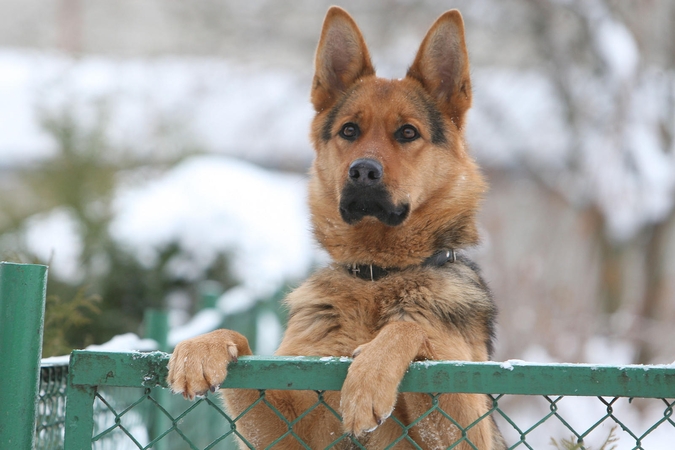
(392, 181)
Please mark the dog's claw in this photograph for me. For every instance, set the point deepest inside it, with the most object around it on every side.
(232, 352)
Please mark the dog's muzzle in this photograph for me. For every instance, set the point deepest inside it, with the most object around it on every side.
(364, 194)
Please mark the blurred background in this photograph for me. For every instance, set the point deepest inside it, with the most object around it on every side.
(154, 153)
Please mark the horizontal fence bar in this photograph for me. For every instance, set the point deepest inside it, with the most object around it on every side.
(137, 369)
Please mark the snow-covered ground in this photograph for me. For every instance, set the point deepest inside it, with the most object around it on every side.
(154, 106)
(214, 204)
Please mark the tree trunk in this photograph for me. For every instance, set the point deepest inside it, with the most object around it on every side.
(655, 288)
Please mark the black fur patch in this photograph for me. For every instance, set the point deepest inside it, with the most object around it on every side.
(356, 202)
(435, 119)
(323, 310)
(436, 123)
(454, 234)
(487, 312)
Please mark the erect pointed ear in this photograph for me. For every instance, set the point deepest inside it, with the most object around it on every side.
(442, 66)
(341, 58)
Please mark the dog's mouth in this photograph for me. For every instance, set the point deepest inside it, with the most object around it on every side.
(357, 202)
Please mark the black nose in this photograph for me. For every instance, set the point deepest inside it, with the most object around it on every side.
(365, 172)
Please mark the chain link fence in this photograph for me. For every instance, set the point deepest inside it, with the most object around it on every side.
(51, 410)
(119, 401)
(51, 407)
(553, 429)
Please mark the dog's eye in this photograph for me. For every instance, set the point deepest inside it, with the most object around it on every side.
(406, 133)
(349, 131)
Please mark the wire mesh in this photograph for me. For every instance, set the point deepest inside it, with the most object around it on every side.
(527, 422)
(51, 407)
(586, 422)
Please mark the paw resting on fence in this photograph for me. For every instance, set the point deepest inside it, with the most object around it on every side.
(199, 364)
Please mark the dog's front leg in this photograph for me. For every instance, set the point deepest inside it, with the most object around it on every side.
(199, 365)
(371, 387)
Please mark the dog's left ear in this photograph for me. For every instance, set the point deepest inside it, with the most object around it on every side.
(341, 58)
(442, 66)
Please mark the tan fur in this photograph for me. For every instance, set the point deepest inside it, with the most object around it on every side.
(416, 312)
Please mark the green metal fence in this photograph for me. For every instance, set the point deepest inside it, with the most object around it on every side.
(22, 305)
(119, 400)
(634, 403)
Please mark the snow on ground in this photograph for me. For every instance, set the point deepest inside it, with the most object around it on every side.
(124, 343)
(211, 205)
(21, 138)
(54, 237)
(204, 321)
(155, 106)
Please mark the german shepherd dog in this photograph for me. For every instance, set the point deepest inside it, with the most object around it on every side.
(393, 195)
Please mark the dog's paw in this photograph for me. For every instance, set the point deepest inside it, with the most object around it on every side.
(369, 392)
(199, 364)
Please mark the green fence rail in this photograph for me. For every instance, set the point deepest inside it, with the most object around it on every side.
(633, 404)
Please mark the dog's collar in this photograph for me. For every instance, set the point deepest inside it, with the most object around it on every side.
(373, 273)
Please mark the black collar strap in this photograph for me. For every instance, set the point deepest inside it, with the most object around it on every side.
(373, 273)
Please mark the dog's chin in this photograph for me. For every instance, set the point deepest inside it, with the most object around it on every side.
(391, 215)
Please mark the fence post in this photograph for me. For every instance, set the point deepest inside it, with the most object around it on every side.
(79, 415)
(22, 306)
(209, 293)
(156, 323)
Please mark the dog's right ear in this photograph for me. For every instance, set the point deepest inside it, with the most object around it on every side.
(341, 58)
